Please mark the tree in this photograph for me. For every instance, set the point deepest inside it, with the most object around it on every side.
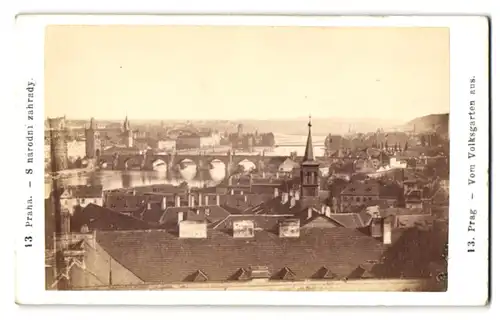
(406, 145)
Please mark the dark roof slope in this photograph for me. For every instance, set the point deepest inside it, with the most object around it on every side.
(100, 218)
(159, 256)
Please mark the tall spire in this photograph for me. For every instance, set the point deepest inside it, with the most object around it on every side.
(126, 124)
(308, 155)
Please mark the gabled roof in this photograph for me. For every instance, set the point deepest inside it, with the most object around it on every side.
(284, 274)
(324, 274)
(240, 275)
(160, 256)
(197, 276)
(363, 271)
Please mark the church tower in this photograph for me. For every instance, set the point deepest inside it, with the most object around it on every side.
(128, 135)
(92, 141)
(309, 171)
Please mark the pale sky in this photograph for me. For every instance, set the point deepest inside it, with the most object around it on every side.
(226, 72)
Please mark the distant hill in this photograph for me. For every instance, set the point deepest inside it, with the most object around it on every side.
(431, 122)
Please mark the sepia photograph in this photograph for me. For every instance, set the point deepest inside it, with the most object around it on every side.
(270, 157)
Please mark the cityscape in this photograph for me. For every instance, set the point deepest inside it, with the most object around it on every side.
(378, 195)
(265, 169)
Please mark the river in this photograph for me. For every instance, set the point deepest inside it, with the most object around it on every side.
(127, 179)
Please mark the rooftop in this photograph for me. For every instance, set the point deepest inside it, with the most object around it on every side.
(159, 256)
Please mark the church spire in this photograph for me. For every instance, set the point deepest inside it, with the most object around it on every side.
(126, 124)
(308, 155)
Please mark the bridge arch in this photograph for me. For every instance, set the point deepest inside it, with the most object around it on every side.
(217, 169)
(187, 168)
(132, 163)
(159, 164)
(246, 165)
(105, 164)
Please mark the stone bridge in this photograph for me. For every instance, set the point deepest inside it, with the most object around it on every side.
(174, 162)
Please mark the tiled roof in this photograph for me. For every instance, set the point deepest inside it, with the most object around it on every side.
(414, 252)
(391, 190)
(159, 256)
(356, 188)
(276, 207)
(351, 220)
(240, 203)
(125, 202)
(99, 218)
(211, 214)
(415, 220)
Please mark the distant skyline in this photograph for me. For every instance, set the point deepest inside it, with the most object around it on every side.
(245, 73)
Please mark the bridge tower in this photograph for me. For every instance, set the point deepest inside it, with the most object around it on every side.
(309, 171)
(58, 144)
(92, 141)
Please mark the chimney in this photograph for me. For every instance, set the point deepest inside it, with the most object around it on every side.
(149, 205)
(206, 200)
(192, 229)
(289, 228)
(309, 213)
(177, 200)
(200, 199)
(276, 192)
(164, 203)
(292, 202)
(284, 197)
(217, 199)
(243, 229)
(387, 229)
(180, 217)
(376, 227)
(328, 212)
